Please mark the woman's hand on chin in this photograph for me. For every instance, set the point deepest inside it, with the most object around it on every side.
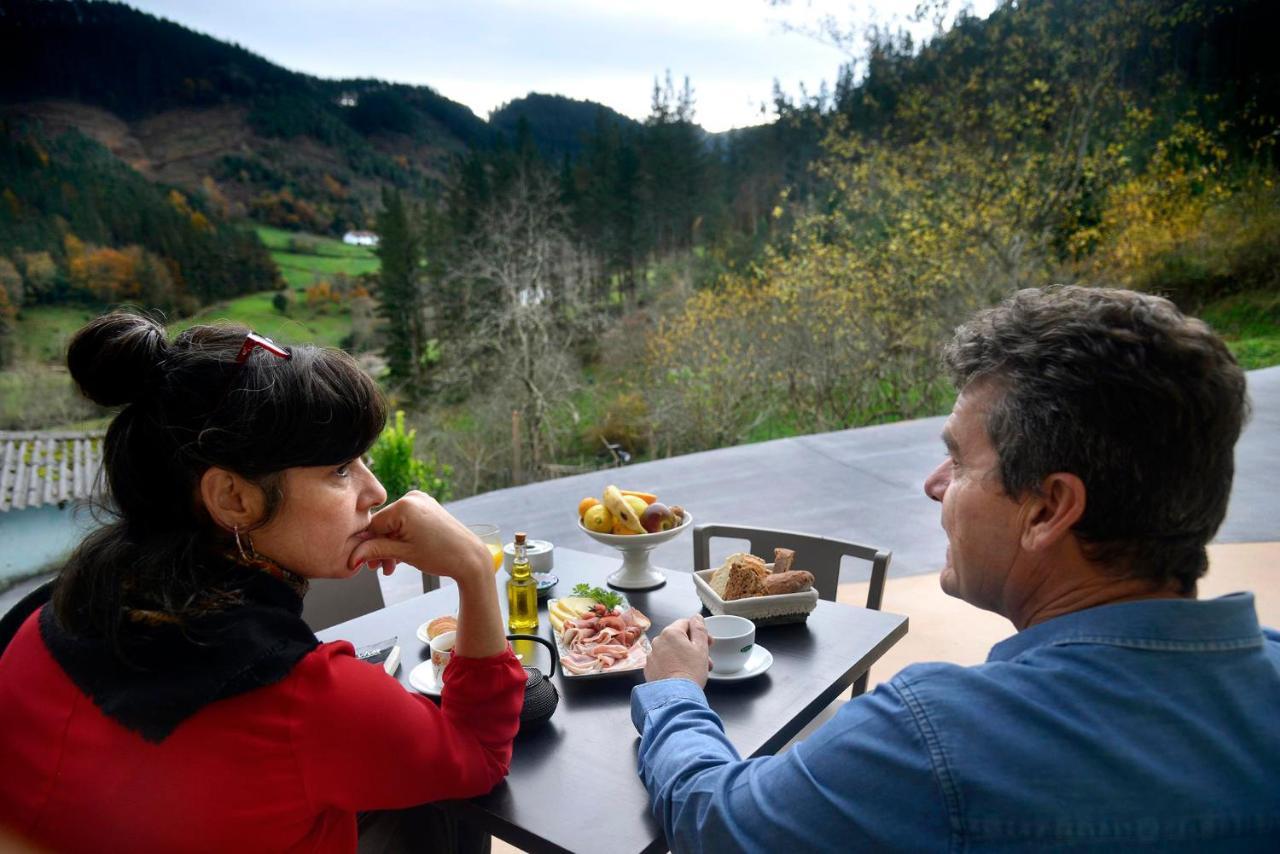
(417, 530)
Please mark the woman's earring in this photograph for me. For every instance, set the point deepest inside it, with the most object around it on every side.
(248, 554)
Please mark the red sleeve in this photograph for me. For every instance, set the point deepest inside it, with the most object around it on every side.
(363, 742)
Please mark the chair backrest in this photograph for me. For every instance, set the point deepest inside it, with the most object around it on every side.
(330, 601)
(819, 555)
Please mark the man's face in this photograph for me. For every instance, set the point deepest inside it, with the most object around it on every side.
(983, 525)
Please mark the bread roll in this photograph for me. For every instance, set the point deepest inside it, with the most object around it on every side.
(792, 581)
(782, 559)
(440, 625)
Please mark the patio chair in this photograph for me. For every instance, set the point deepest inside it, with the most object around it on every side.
(330, 601)
(820, 555)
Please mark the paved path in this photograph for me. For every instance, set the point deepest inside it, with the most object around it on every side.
(864, 485)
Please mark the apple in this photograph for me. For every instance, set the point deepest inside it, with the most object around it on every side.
(657, 517)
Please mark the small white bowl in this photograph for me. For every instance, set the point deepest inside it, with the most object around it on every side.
(541, 554)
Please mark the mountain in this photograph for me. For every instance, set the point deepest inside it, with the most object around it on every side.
(557, 125)
(186, 109)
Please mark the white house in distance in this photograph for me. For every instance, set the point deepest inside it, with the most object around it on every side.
(360, 238)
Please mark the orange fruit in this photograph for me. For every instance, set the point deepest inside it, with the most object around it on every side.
(619, 528)
(586, 504)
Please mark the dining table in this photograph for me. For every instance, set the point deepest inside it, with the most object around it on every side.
(573, 784)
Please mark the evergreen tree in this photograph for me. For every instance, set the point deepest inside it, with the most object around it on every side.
(400, 294)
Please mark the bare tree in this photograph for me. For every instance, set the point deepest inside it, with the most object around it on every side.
(528, 286)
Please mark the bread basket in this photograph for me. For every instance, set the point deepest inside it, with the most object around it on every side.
(761, 610)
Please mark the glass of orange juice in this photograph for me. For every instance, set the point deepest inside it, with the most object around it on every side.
(491, 536)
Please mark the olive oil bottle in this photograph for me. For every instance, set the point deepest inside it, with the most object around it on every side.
(522, 592)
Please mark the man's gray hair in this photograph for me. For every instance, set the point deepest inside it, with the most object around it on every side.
(1141, 402)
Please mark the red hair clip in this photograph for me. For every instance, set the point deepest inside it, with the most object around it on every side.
(253, 340)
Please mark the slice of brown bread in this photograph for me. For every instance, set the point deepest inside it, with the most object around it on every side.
(751, 562)
(743, 581)
(740, 575)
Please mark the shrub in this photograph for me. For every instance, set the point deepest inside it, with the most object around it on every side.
(41, 275)
(625, 422)
(11, 282)
(394, 463)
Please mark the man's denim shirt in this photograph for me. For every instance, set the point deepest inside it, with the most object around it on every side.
(1142, 724)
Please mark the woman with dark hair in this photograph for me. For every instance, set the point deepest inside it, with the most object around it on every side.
(169, 696)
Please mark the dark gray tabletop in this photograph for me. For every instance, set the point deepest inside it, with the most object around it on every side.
(573, 784)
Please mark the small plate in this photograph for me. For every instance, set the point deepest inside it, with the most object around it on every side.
(545, 582)
(423, 679)
(757, 663)
(422, 629)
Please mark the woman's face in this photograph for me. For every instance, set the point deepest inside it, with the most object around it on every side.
(320, 521)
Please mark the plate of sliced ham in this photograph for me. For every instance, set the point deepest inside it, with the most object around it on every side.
(603, 642)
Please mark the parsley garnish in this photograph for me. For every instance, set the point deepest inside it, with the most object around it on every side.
(607, 598)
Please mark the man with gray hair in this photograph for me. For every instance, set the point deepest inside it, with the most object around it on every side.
(1089, 461)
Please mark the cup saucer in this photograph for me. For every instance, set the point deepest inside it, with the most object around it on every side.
(758, 662)
(423, 679)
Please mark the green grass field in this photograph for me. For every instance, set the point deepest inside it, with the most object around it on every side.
(43, 332)
(303, 325)
(323, 257)
(1250, 323)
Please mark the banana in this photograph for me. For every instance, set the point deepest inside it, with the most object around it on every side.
(621, 510)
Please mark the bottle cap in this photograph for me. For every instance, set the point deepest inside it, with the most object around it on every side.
(520, 535)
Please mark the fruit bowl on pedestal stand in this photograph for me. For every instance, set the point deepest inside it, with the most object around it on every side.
(636, 573)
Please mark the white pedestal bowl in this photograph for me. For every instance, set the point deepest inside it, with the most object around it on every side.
(636, 573)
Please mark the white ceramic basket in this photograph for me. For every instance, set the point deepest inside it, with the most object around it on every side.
(767, 610)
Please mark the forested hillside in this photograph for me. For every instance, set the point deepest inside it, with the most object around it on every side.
(287, 148)
(646, 283)
(116, 236)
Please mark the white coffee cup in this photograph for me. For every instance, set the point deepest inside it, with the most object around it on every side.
(441, 652)
(731, 641)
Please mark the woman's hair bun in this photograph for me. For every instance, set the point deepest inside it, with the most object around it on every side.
(113, 357)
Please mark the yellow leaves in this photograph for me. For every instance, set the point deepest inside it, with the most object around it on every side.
(12, 202)
(179, 203)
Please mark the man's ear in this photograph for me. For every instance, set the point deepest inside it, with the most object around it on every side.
(232, 501)
(1054, 511)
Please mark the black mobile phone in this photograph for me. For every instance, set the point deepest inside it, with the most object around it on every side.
(385, 652)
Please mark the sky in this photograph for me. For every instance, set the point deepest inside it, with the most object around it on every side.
(484, 53)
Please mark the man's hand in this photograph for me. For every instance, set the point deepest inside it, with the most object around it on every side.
(680, 652)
